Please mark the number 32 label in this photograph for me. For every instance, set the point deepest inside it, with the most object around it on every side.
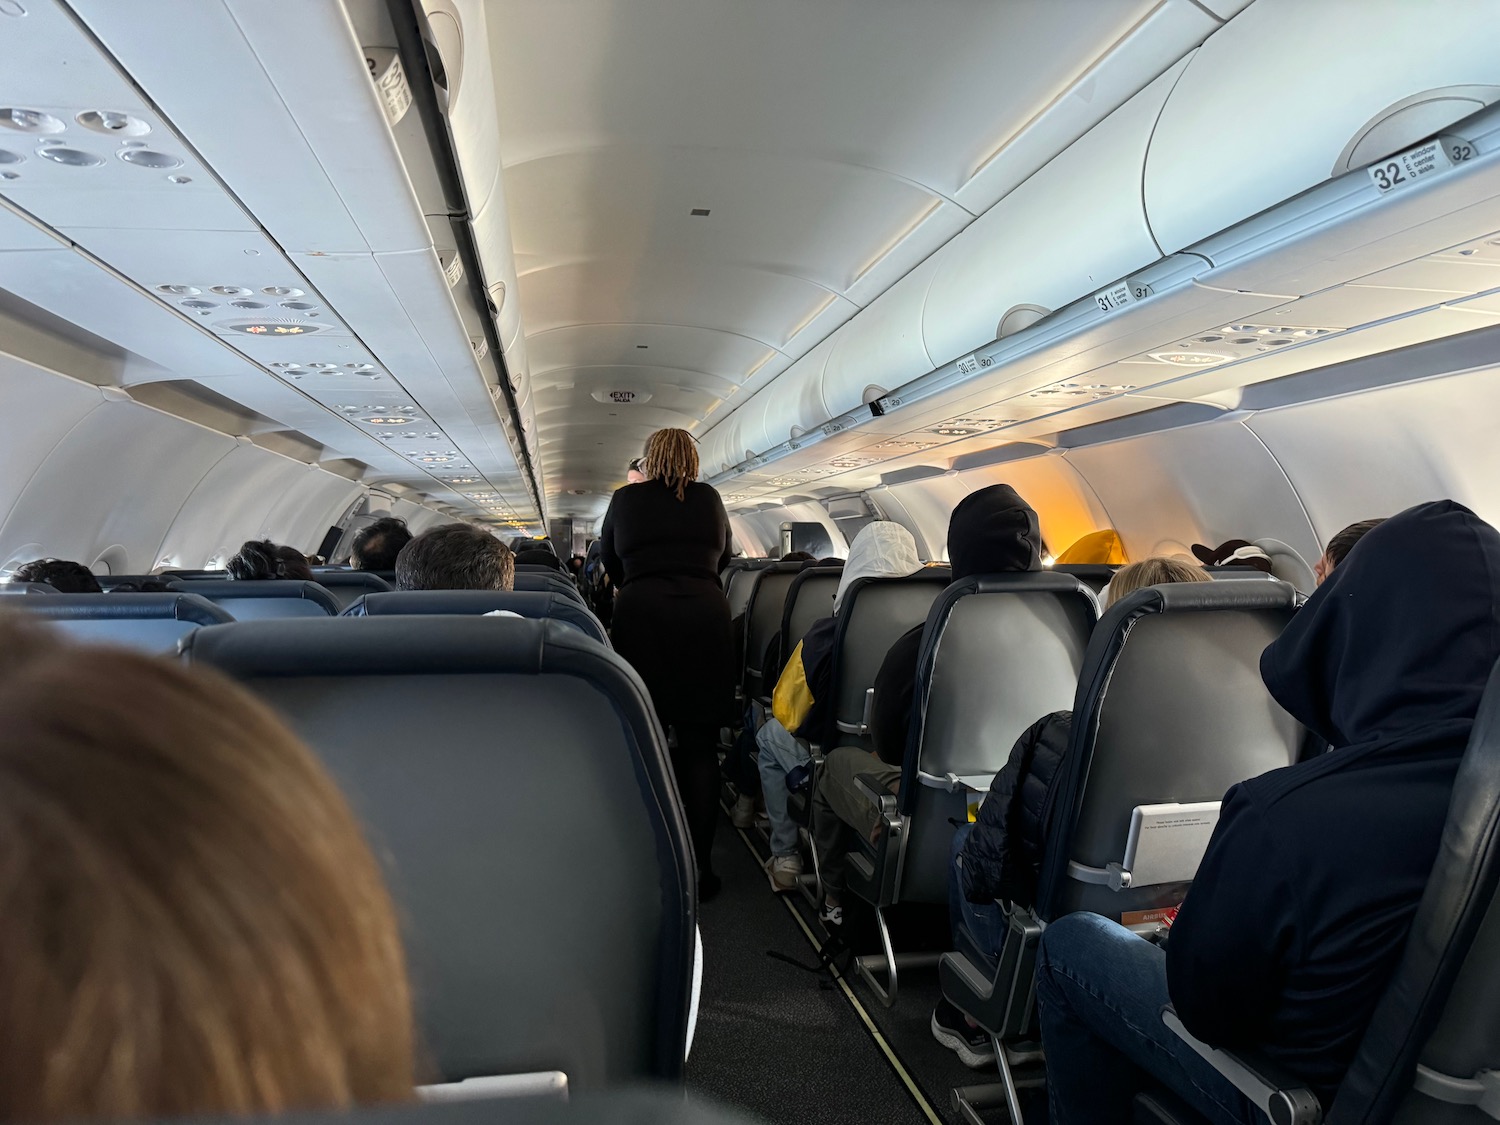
(1424, 160)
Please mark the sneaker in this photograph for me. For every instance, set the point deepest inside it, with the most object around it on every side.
(831, 915)
(972, 1044)
(743, 815)
(783, 871)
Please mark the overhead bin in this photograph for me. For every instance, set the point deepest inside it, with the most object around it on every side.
(881, 348)
(1075, 226)
(1291, 93)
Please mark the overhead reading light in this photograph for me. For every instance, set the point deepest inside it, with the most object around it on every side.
(29, 120)
(149, 158)
(72, 157)
(1190, 359)
(179, 290)
(112, 123)
(282, 291)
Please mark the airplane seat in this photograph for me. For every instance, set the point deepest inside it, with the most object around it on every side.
(1431, 1053)
(1288, 564)
(1238, 572)
(875, 613)
(998, 652)
(1170, 712)
(27, 588)
(808, 600)
(546, 580)
(1095, 576)
(148, 622)
(491, 768)
(536, 604)
(251, 600)
(346, 586)
(741, 580)
(763, 613)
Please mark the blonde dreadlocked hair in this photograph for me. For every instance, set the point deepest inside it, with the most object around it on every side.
(672, 458)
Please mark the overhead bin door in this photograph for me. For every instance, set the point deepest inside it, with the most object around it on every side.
(1289, 92)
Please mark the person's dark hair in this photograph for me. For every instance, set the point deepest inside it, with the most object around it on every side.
(455, 556)
(193, 923)
(64, 576)
(376, 546)
(1341, 544)
(798, 556)
(540, 556)
(260, 559)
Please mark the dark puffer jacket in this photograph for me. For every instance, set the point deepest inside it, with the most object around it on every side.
(1003, 854)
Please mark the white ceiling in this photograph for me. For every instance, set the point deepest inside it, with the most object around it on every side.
(835, 144)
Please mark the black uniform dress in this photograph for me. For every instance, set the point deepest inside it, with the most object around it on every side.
(671, 622)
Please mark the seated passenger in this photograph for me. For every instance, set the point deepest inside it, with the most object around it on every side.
(1340, 545)
(1300, 910)
(193, 924)
(376, 545)
(803, 693)
(540, 556)
(992, 531)
(1000, 855)
(259, 560)
(455, 556)
(63, 576)
(798, 556)
(633, 474)
(144, 586)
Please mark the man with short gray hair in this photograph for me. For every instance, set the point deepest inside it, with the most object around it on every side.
(455, 556)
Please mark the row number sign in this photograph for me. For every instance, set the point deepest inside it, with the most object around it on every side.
(1424, 160)
(1114, 298)
(973, 362)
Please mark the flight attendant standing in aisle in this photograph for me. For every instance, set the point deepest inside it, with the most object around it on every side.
(664, 542)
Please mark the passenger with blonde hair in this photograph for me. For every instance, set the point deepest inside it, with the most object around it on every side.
(192, 923)
(1000, 856)
(663, 543)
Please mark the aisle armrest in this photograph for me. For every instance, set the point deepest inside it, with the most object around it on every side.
(1283, 1099)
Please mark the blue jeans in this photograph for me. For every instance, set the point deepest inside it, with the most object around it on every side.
(984, 921)
(778, 753)
(1100, 990)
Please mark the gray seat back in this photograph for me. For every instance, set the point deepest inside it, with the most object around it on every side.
(512, 776)
(1095, 576)
(348, 585)
(739, 583)
(1442, 1008)
(535, 604)
(998, 652)
(255, 600)
(809, 600)
(1170, 708)
(763, 618)
(147, 622)
(874, 613)
(23, 588)
(545, 580)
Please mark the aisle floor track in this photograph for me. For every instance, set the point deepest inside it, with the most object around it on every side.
(769, 1039)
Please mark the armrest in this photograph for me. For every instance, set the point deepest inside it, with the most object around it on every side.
(863, 726)
(883, 799)
(1284, 1100)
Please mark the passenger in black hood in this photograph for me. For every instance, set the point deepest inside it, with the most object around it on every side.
(1300, 909)
(993, 531)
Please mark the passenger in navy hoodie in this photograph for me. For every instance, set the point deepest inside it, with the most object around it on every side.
(1301, 908)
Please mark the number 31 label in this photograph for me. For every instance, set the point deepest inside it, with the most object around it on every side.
(1424, 160)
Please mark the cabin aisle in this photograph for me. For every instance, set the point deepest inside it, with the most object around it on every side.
(769, 1040)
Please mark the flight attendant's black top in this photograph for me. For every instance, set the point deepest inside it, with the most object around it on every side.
(671, 620)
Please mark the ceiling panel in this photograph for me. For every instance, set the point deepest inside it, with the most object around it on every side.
(820, 138)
